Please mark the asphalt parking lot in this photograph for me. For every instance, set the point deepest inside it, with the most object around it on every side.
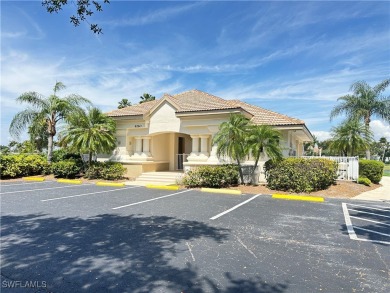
(59, 237)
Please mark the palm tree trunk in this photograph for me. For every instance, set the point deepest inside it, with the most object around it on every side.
(90, 159)
(367, 121)
(240, 171)
(50, 148)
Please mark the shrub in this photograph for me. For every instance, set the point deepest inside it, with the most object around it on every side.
(65, 169)
(371, 169)
(364, 180)
(106, 170)
(64, 155)
(13, 166)
(302, 175)
(212, 176)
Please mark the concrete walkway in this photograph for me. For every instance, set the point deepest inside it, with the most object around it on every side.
(380, 194)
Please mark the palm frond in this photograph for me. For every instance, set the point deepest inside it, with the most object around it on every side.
(21, 120)
(34, 99)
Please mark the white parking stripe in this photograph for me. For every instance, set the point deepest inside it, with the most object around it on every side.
(364, 219)
(371, 208)
(233, 208)
(133, 204)
(26, 183)
(348, 222)
(2, 193)
(369, 213)
(78, 195)
(371, 231)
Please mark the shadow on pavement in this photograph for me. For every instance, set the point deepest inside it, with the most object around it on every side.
(112, 253)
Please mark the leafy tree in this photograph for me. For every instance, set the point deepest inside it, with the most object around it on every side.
(264, 139)
(364, 103)
(351, 137)
(52, 110)
(84, 9)
(4, 149)
(231, 139)
(146, 98)
(37, 132)
(385, 146)
(124, 103)
(92, 132)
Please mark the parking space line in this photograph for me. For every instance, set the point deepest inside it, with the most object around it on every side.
(26, 183)
(364, 219)
(371, 231)
(78, 195)
(369, 213)
(2, 193)
(140, 202)
(233, 208)
(371, 208)
(348, 222)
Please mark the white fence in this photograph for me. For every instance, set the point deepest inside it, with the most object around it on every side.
(348, 167)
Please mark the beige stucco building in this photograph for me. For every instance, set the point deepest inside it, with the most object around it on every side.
(176, 131)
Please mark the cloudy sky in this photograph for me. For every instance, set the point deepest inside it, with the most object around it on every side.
(295, 58)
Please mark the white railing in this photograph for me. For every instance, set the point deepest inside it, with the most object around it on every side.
(348, 167)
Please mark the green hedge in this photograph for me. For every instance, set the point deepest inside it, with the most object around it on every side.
(302, 175)
(212, 176)
(66, 169)
(13, 166)
(364, 181)
(106, 170)
(371, 169)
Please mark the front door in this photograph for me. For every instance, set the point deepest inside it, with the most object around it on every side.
(180, 153)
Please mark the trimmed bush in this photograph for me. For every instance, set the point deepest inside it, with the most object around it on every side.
(302, 175)
(364, 180)
(65, 169)
(106, 170)
(212, 176)
(13, 166)
(371, 169)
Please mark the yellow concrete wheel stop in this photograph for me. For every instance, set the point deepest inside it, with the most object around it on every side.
(71, 181)
(226, 191)
(298, 197)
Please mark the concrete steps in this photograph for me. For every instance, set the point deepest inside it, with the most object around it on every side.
(157, 178)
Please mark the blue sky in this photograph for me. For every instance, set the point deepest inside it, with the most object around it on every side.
(295, 58)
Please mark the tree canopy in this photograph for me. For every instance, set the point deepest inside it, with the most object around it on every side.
(84, 9)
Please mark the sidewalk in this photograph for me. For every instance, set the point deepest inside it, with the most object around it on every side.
(380, 194)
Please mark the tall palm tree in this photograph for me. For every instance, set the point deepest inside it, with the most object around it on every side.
(230, 139)
(52, 109)
(123, 103)
(92, 132)
(264, 139)
(146, 98)
(351, 137)
(364, 103)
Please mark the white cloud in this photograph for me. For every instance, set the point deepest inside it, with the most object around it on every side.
(321, 135)
(380, 129)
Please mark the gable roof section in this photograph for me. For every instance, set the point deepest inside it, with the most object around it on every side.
(198, 101)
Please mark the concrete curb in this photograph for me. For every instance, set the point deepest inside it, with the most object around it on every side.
(110, 184)
(40, 179)
(71, 181)
(226, 191)
(165, 187)
(298, 197)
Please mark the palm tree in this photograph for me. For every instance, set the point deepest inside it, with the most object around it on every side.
(364, 103)
(230, 139)
(92, 132)
(351, 137)
(146, 98)
(51, 109)
(124, 103)
(264, 139)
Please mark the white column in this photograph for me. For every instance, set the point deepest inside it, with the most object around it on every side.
(195, 144)
(146, 146)
(138, 144)
(204, 145)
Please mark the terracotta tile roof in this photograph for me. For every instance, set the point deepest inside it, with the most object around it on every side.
(134, 110)
(263, 116)
(195, 100)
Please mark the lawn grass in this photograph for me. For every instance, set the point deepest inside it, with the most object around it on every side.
(386, 170)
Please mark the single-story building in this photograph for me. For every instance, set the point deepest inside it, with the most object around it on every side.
(176, 131)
